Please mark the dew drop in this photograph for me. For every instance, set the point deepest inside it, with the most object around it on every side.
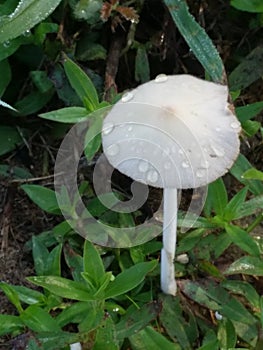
(107, 128)
(181, 152)
(112, 150)
(6, 43)
(234, 125)
(167, 165)
(143, 166)
(205, 164)
(200, 173)
(219, 152)
(185, 164)
(83, 13)
(27, 33)
(218, 129)
(128, 96)
(130, 128)
(152, 176)
(161, 78)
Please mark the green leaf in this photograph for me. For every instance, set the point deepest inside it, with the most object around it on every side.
(42, 29)
(242, 239)
(137, 319)
(67, 115)
(5, 75)
(29, 296)
(93, 264)
(247, 265)
(55, 340)
(33, 102)
(39, 320)
(53, 262)
(10, 139)
(106, 335)
(249, 207)
(43, 197)
(148, 338)
(180, 329)
(93, 137)
(88, 10)
(11, 294)
(75, 313)
(189, 240)
(235, 204)
(238, 169)
(27, 14)
(245, 289)
(197, 39)
(248, 5)
(41, 80)
(62, 287)
(249, 111)
(81, 83)
(129, 279)
(14, 172)
(249, 70)
(251, 127)
(10, 324)
(40, 255)
(253, 174)
(217, 195)
(142, 68)
(226, 334)
(74, 262)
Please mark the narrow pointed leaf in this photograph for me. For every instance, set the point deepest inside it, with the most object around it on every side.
(197, 39)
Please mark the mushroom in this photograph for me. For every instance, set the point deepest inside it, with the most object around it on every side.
(174, 132)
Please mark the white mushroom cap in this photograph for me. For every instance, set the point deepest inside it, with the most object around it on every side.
(174, 131)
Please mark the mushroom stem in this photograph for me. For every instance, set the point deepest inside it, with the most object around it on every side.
(168, 283)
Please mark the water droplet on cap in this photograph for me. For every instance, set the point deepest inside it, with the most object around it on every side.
(205, 164)
(218, 129)
(107, 128)
(200, 173)
(181, 151)
(161, 78)
(112, 150)
(219, 152)
(152, 176)
(143, 166)
(234, 125)
(185, 164)
(129, 128)
(127, 97)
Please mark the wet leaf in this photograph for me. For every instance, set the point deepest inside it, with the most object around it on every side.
(26, 15)
(247, 265)
(197, 39)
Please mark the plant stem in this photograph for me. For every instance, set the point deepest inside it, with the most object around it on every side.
(168, 283)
